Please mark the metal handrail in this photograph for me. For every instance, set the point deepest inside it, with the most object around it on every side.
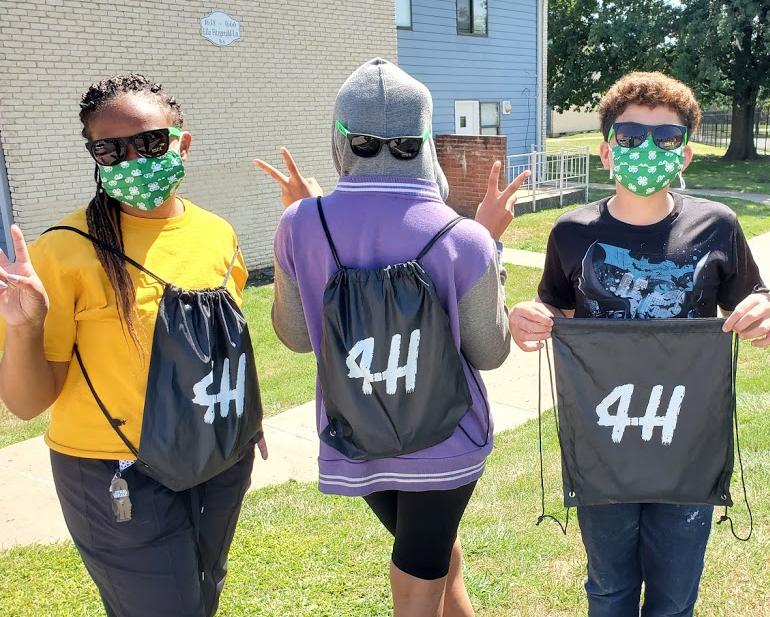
(553, 171)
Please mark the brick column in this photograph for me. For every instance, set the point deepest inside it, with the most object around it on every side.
(467, 161)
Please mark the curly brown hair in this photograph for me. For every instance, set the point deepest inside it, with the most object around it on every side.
(649, 90)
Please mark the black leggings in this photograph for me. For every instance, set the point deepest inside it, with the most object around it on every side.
(424, 525)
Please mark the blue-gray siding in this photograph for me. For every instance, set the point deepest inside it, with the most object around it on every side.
(499, 67)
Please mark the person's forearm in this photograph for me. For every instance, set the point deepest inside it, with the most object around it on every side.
(27, 380)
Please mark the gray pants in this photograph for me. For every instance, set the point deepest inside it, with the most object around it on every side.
(170, 559)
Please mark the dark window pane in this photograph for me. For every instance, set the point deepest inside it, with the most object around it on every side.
(464, 16)
(479, 16)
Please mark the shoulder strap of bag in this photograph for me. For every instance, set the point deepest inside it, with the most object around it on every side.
(444, 230)
(328, 234)
(115, 424)
(232, 263)
(108, 248)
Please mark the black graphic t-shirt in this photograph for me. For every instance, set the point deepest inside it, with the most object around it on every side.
(685, 265)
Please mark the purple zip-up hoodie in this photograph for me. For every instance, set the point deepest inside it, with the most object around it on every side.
(377, 222)
(383, 212)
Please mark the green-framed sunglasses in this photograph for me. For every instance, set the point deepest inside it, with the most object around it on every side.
(148, 144)
(367, 146)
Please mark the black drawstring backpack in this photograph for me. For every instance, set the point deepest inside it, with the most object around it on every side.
(645, 411)
(391, 376)
(202, 409)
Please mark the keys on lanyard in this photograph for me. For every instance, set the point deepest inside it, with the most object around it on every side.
(121, 501)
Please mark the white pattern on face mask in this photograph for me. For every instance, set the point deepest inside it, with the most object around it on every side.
(144, 183)
(646, 169)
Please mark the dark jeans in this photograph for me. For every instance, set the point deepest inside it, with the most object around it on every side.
(661, 545)
(170, 559)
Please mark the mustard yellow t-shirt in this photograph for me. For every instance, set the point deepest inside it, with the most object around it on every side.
(191, 251)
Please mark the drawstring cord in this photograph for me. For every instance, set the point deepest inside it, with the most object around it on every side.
(543, 515)
(725, 517)
(486, 406)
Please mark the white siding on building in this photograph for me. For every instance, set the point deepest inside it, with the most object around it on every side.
(574, 121)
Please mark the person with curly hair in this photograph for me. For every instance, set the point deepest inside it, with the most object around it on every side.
(646, 253)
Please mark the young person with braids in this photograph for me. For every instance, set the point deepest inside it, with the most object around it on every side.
(69, 293)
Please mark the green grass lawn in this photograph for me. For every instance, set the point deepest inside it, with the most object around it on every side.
(300, 553)
(286, 379)
(706, 171)
(529, 232)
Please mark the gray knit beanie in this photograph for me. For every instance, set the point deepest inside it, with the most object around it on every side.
(381, 99)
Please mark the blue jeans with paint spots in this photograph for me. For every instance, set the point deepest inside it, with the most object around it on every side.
(660, 545)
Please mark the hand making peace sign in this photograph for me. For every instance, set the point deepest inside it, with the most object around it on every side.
(495, 212)
(23, 299)
(295, 186)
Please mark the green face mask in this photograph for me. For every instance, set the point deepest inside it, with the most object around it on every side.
(143, 183)
(646, 169)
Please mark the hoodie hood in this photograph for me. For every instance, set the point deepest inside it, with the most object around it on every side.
(380, 99)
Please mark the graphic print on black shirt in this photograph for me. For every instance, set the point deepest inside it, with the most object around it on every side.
(694, 260)
(620, 284)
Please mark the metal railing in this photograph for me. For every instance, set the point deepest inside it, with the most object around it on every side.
(554, 172)
(716, 129)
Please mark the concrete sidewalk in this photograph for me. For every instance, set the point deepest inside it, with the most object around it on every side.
(30, 512)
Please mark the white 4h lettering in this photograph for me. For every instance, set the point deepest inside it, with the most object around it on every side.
(362, 369)
(622, 396)
(225, 394)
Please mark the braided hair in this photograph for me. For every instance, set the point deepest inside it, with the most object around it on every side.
(103, 211)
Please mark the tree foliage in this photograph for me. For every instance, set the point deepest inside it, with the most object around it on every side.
(725, 50)
(721, 48)
(595, 42)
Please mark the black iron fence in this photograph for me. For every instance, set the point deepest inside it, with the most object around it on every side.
(716, 127)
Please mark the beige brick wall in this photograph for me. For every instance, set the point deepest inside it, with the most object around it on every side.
(274, 87)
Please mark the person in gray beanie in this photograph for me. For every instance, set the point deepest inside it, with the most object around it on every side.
(388, 205)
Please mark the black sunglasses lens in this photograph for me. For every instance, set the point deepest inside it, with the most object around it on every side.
(405, 147)
(107, 151)
(630, 134)
(365, 146)
(151, 144)
(668, 136)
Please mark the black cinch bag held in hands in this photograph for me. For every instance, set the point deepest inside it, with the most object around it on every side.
(202, 409)
(645, 410)
(391, 376)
